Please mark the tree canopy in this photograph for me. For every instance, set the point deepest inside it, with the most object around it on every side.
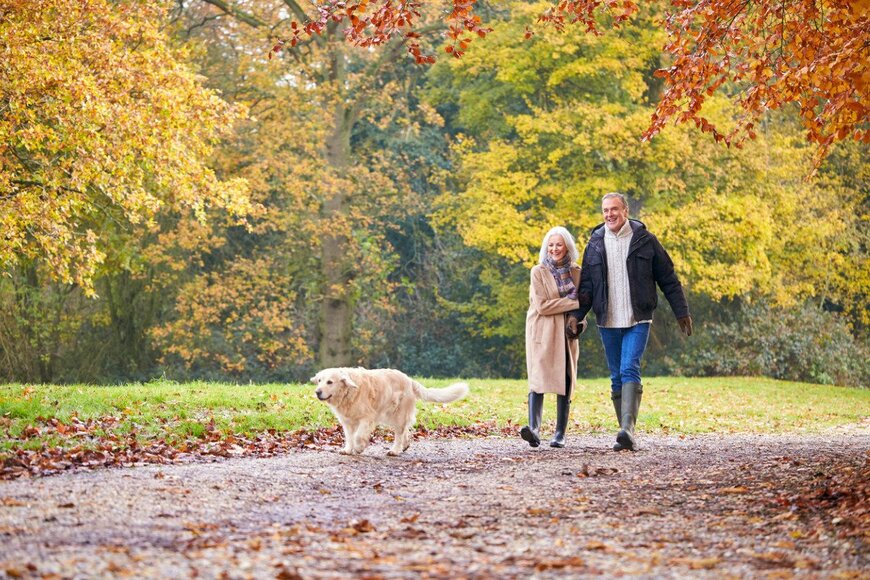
(548, 124)
(764, 55)
(222, 214)
(102, 123)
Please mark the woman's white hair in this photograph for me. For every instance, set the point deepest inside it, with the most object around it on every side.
(569, 243)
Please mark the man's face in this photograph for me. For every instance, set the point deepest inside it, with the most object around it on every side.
(615, 214)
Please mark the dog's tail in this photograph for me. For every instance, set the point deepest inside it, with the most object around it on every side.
(446, 395)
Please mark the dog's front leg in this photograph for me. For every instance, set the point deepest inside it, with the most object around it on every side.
(362, 436)
(349, 429)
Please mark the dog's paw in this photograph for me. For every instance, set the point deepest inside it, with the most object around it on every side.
(393, 453)
(346, 451)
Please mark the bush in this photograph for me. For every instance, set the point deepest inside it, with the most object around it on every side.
(801, 344)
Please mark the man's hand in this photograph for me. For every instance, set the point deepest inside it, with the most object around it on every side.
(686, 325)
(571, 328)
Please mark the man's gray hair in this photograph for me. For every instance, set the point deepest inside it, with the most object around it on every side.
(569, 244)
(617, 195)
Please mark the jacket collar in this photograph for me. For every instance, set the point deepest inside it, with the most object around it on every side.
(639, 235)
(638, 228)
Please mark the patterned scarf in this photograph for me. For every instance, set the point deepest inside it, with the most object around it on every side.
(561, 271)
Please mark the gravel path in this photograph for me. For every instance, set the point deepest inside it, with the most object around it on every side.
(702, 506)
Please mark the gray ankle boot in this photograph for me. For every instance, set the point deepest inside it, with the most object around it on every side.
(631, 396)
(563, 408)
(531, 432)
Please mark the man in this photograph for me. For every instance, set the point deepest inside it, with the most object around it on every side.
(622, 264)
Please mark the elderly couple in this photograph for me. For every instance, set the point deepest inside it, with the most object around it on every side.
(622, 264)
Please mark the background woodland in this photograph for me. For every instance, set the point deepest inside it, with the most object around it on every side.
(177, 200)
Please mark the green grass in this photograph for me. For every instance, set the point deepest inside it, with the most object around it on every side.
(675, 405)
(670, 405)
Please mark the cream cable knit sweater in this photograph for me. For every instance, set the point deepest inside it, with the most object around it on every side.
(619, 311)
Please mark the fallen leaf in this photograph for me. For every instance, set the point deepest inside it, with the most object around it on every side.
(594, 545)
(697, 563)
(362, 526)
(287, 574)
(572, 562)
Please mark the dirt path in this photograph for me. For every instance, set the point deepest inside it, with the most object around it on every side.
(706, 506)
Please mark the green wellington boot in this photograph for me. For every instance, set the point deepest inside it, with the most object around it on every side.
(531, 432)
(631, 396)
(617, 406)
(563, 409)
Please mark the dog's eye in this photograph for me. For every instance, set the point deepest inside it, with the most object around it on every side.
(328, 382)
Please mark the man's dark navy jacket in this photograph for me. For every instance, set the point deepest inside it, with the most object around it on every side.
(648, 264)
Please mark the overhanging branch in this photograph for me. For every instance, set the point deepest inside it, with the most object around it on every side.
(241, 15)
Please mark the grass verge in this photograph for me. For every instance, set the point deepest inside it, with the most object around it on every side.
(48, 428)
(670, 405)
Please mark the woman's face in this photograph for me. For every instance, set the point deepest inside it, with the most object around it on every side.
(556, 248)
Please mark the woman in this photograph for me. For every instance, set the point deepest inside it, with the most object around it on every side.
(551, 359)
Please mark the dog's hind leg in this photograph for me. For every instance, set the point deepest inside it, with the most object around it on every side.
(400, 442)
(408, 437)
(402, 439)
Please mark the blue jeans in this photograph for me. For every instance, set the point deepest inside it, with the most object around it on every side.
(623, 348)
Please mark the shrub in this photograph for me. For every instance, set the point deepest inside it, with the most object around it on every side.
(803, 344)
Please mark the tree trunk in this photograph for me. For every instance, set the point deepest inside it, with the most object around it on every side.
(130, 315)
(36, 366)
(336, 308)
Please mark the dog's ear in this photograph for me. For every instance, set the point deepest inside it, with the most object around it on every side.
(345, 378)
(313, 380)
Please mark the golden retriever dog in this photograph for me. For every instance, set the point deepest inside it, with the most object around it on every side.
(361, 399)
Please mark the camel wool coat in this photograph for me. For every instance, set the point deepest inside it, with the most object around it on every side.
(546, 343)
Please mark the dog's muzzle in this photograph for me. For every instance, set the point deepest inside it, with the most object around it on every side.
(320, 395)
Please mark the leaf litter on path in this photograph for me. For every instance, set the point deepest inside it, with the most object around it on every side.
(484, 507)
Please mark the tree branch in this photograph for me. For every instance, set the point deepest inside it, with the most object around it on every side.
(201, 23)
(25, 183)
(391, 50)
(296, 9)
(248, 19)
